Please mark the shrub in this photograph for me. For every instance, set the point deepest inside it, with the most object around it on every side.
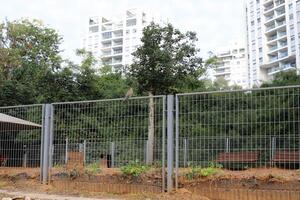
(197, 172)
(92, 169)
(134, 169)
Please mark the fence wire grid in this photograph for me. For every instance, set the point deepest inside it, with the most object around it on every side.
(20, 136)
(239, 129)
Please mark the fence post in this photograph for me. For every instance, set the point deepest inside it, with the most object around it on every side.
(164, 146)
(66, 153)
(45, 155)
(176, 141)
(170, 141)
(84, 152)
(147, 152)
(112, 153)
(185, 153)
(273, 149)
(227, 145)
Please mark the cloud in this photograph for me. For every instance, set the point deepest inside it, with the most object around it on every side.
(217, 22)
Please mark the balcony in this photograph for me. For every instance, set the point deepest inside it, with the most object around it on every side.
(283, 55)
(272, 38)
(269, 8)
(106, 45)
(270, 27)
(283, 67)
(279, 2)
(273, 48)
(106, 53)
(118, 51)
(274, 27)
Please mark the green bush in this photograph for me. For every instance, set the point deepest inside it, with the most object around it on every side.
(197, 172)
(134, 169)
(92, 169)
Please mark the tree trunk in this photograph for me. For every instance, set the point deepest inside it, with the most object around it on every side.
(150, 144)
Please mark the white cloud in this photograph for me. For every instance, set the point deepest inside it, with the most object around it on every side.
(217, 22)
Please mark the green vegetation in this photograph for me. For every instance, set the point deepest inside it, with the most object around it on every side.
(32, 71)
(92, 169)
(198, 172)
(134, 168)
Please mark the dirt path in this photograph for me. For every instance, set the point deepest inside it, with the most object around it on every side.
(42, 196)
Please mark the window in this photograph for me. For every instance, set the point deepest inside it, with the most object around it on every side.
(94, 29)
(106, 35)
(127, 31)
(131, 22)
(134, 30)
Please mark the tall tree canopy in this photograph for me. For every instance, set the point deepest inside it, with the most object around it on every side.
(166, 60)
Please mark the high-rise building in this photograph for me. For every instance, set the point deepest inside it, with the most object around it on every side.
(115, 39)
(232, 65)
(273, 38)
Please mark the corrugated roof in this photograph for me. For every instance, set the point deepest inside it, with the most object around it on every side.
(8, 122)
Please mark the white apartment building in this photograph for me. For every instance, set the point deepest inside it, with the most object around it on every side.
(273, 38)
(232, 65)
(115, 39)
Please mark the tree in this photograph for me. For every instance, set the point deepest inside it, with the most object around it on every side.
(29, 52)
(165, 58)
(165, 61)
(283, 79)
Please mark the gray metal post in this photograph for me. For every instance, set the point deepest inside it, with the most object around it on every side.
(164, 145)
(176, 142)
(46, 143)
(112, 153)
(170, 141)
(42, 145)
(147, 152)
(51, 146)
(273, 149)
(66, 153)
(84, 152)
(227, 145)
(185, 153)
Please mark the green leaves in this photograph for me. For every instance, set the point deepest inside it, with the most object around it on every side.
(166, 59)
(134, 168)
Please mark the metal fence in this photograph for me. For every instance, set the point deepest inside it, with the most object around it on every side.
(108, 133)
(20, 136)
(239, 129)
(234, 129)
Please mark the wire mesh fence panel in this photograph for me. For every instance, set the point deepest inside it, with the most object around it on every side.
(107, 133)
(240, 129)
(20, 136)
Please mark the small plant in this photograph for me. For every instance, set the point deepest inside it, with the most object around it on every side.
(197, 172)
(134, 169)
(92, 169)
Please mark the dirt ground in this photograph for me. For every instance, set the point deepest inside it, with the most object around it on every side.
(19, 179)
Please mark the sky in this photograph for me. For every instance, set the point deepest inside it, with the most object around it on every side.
(217, 22)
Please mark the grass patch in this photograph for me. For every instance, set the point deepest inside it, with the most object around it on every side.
(134, 169)
(92, 169)
(197, 172)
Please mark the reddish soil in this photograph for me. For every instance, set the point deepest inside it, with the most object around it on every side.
(113, 181)
(259, 179)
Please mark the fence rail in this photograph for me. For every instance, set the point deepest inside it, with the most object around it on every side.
(236, 129)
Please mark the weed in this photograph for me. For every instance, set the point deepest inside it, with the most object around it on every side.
(197, 172)
(92, 169)
(134, 169)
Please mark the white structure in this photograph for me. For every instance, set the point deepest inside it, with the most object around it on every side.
(273, 44)
(115, 39)
(232, 65)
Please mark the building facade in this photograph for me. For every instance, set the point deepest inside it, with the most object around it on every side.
(273, 38)
(115, 39)
(232, 65)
